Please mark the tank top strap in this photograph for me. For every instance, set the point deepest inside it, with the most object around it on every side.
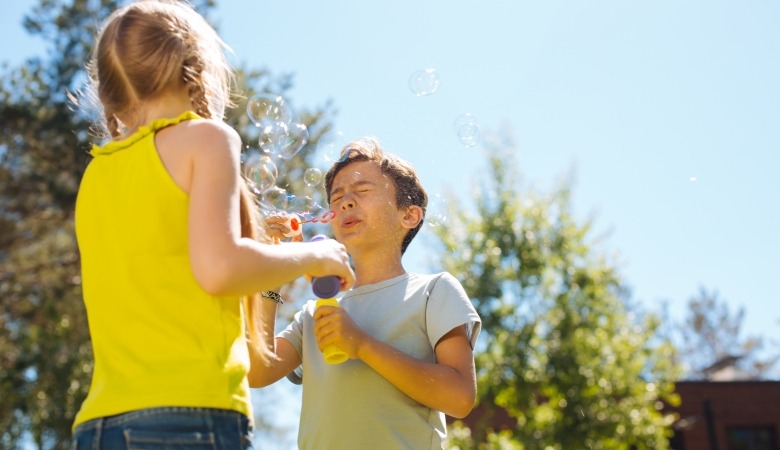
(141, 133)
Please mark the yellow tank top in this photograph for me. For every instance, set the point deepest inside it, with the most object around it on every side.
(158, 338)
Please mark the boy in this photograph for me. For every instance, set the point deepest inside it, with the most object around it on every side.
(409, 337)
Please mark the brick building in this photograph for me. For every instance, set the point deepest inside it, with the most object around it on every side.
(728, 415)
(725, 410)
(713, 415)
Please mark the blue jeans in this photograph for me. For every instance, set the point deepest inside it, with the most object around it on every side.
(166, 428)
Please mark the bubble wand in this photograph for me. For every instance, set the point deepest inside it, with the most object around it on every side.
(295, 223)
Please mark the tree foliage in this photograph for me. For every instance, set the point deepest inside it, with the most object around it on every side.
(563, 351)
(45, 352)
(711, 335)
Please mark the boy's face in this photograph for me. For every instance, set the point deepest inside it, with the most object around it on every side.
(363, 199)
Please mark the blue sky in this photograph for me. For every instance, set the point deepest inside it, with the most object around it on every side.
(667, 111)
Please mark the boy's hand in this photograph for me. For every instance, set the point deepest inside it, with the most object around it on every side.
(333, 326)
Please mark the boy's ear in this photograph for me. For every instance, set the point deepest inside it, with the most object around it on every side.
(412, 216)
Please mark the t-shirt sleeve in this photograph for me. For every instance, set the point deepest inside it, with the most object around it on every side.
(450, 307)
(294, 332)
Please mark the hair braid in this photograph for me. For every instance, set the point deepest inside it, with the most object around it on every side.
(192, 74)
(112, 124)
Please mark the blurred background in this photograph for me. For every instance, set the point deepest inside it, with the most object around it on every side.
(601, 179)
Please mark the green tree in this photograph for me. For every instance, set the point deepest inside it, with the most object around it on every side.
(563, 350)
(45, 352)
(711, 338)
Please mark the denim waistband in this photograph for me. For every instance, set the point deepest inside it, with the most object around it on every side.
(125, 418)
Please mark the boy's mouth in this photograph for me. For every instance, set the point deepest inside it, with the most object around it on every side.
(348, 221)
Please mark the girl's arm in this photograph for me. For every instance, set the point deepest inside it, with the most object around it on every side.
(223, 262)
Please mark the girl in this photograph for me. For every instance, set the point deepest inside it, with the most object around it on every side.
(164, 227)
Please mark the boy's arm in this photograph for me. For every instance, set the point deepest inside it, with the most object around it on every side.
(270, 359)
(448, 385)
(261, 375)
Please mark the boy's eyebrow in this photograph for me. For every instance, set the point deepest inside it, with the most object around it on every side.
(357, 183)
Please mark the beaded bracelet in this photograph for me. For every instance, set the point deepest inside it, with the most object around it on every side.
(271, 295)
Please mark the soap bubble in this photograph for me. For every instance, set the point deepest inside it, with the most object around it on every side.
(274, 199)
(312, 176)
(268, 109)
(305, 206)
(298, 205)
(462, 120)
(468, 135)
(260, 170)
(297, 136)
(316, 211)
(272, 138)
(437, 211)
(467, 129)
(424, 82)
(283, 140)
(329, 146)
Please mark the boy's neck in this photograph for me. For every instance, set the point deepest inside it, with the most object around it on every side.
(374, 270)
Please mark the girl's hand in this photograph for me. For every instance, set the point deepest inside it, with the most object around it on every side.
(282, 225)
(333, 260)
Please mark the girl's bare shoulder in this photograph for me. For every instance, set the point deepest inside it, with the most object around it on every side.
(205, 134)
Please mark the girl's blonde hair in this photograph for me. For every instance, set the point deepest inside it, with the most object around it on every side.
(148, 47)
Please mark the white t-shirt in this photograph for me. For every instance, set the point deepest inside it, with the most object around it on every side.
(350, 406)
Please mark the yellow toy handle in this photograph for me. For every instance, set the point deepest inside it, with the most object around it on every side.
(332, 354)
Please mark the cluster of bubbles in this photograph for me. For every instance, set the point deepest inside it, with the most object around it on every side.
(279, 135)
(278, 200)
(425, 82)
(280, 138)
